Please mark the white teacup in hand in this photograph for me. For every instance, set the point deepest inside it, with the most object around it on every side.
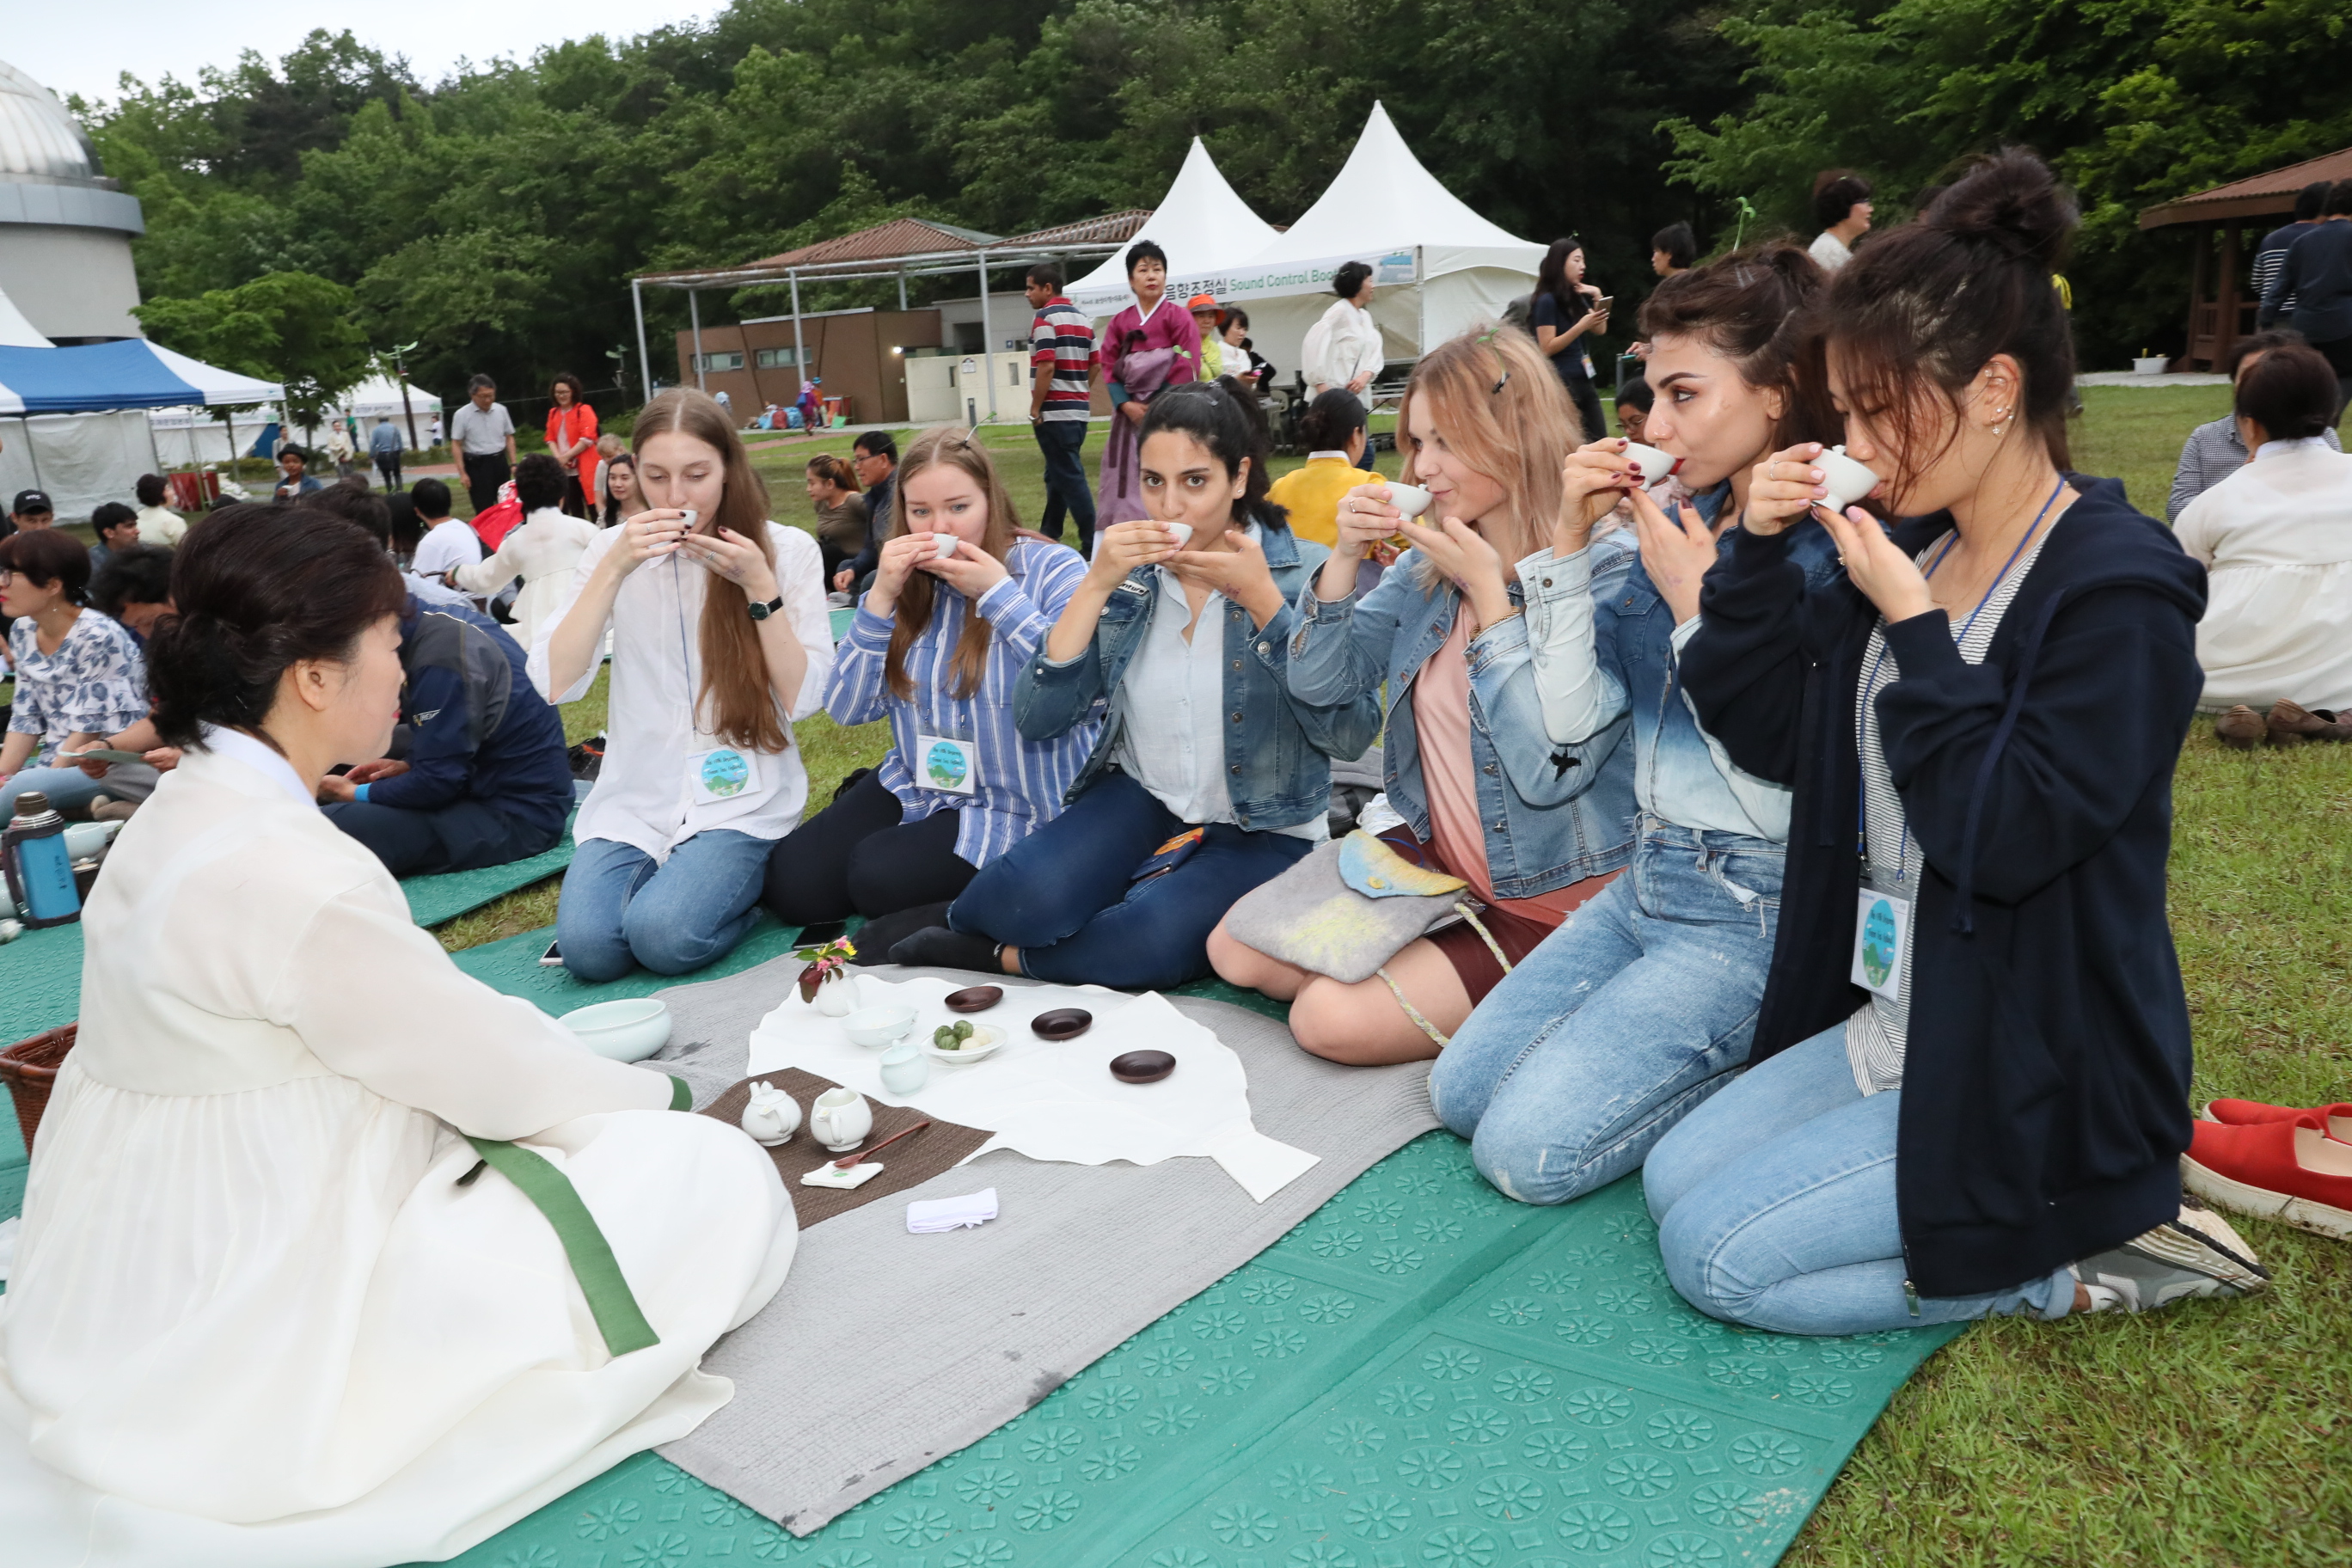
(1846, 480)
(1650, 463)
(1410, 501)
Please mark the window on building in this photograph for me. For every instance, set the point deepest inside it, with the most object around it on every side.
(722, 361)
(778, 358)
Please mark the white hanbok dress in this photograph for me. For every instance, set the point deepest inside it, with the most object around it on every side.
(257, 1320)
(2276, 536)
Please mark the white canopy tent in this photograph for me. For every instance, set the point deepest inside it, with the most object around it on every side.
(1437, 265)
(15, 332)
(1206, 228)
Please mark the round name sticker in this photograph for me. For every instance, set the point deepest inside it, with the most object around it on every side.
(1878, 937)
(724, 774)
(944, 766)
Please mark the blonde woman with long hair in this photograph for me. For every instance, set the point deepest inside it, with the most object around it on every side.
(719, 641)
(1533, 828)
(961, 600)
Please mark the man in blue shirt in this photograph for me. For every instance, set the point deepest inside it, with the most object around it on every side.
(383, 446)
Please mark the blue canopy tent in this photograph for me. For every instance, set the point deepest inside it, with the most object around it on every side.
(96, 378)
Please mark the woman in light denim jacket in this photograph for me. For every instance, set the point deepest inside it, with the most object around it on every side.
(1632, 1013)
(1535, 828)
(1211, 775)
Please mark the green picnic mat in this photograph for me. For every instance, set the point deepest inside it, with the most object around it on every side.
(1423, 1374)
(434, 899)
(511, 965)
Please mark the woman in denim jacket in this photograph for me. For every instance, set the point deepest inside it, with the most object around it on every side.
(1533, 828)
(1639, 1009)
(1211, 776)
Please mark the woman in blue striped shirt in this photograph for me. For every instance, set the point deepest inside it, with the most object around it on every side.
(958, 605)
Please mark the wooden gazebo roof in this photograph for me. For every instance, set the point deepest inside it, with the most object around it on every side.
(2258, 195)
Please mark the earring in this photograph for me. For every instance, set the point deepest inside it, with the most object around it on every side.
(2001, 429)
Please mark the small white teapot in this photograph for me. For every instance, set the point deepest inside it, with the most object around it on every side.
(772, 1116)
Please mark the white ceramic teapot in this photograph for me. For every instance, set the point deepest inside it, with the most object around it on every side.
(772, 1116)
(841, 1119)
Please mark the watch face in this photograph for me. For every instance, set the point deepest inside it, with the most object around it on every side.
(760, 612)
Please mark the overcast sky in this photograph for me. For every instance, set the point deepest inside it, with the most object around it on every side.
(83, 48)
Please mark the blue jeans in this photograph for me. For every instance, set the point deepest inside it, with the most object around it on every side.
(618, 907)
(1621, 1022)
(1066, 895)
(1775, 1203)
(71, 790)
(1066, 481)
(464, 836)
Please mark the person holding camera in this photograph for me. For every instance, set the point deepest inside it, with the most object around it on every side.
(1567, 314)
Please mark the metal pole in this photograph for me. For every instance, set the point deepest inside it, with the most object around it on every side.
(400, 369)
(799, 350)
(902, 289)
(694, 311)
(987, 341)
(645, 364)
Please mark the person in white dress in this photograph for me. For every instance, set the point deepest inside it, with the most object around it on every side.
(721, 640)
(2277, 538)
(543, 549)
(1343, 347)
(278, 1300)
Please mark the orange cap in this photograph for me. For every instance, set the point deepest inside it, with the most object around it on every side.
(1201, 303)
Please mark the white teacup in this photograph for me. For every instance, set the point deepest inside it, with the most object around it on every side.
(1411, 501)
(1180, 532)
(689, 519)
(772, 1116)
(841, 1119)
(1650, 463)
(944, 546)
(904, 1069)
(1846, 480)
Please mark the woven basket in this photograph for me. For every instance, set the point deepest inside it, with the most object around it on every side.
(29, 1067)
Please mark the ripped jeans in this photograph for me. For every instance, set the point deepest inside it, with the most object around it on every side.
(1622, 1022)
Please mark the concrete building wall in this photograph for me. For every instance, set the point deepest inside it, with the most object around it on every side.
(73, 284)
(850, 351)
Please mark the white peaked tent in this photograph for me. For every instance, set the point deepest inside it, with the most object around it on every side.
(15, 332)
(1203, 226)
(1436, 265)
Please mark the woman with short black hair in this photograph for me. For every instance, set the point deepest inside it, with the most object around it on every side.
(1842, 206)
(1967, 1091)
(1343, 347)
(263, 1164)
(80, 675)
(542, 549)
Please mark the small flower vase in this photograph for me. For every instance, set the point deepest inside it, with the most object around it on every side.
(836, 994)
(826, 984)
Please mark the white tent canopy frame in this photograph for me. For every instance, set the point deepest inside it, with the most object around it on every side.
(1204, 225)
(1437, 265)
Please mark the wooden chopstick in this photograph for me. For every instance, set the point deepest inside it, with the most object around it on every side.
(859, 1158)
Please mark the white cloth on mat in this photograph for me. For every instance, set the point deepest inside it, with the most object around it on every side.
(254, 1319)
(1055, 1100)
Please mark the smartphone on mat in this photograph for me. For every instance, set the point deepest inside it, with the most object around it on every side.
(553, 957)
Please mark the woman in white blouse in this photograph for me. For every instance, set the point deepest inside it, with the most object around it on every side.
(2277, 535)
(301, 1277)
(1343, 348)
(721, 640)
(543, 549)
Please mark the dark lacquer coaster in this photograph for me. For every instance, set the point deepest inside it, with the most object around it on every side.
(975, 998)
(1062, 1024)
(1142, 1066)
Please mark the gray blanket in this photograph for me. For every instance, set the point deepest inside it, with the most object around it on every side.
(885, 1351)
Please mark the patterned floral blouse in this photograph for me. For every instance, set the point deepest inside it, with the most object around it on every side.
(95, 684)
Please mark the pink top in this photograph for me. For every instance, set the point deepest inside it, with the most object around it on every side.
(1169, 326)
(1441, 720)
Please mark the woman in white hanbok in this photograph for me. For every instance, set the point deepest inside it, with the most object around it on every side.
(277, 1300)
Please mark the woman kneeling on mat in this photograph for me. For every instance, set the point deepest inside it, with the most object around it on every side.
(1972, 1065)
(1644, 1005)
(1211, 776)
(959, 607)
(1532, 830)
(268, 1309)
(720, 640)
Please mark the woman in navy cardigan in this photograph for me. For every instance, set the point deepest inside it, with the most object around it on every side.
(1972, 1060)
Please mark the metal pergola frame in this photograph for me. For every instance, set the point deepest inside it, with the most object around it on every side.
(923, 264)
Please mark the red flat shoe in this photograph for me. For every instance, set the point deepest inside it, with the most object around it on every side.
(2286, 1171)
(2336, 1121)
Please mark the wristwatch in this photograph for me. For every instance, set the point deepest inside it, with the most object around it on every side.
(761, 612)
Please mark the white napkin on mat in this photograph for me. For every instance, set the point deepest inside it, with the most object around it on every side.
(966, 1213)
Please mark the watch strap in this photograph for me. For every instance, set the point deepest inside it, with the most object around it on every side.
(761, 612)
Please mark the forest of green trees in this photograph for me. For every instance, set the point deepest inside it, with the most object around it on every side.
(493, 218)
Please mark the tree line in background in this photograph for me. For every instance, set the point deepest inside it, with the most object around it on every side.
(494, 218)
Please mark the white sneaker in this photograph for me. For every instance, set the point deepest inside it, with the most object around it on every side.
(2196, 1254)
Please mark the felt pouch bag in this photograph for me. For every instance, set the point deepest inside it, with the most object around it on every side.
(1347, 907)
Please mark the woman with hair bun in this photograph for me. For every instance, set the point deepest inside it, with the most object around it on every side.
(1969, 1090)
(1334, 429)
(1210, 775)
(296, 1285)
(1645, 1005)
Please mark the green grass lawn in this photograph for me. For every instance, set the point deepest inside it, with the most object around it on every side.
(2208, 1435)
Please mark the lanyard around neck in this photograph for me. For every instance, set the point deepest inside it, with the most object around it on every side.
(1862, 800)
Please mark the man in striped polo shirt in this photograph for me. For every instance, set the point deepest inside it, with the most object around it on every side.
(1061, 361)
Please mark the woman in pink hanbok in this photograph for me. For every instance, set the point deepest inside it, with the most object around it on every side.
(1150, 345)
